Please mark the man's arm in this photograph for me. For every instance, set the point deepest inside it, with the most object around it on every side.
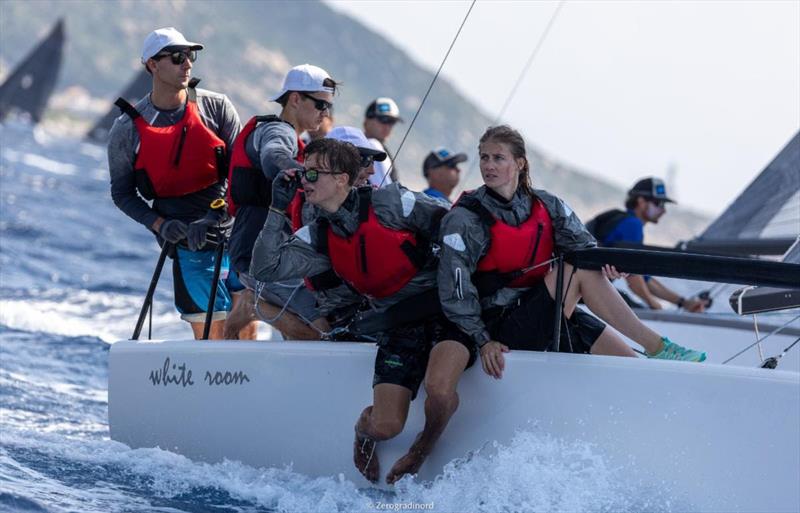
(400, 208)
(278, 256)
(277, 147)
(230, 124)
(123, 180)
(640, 287)
(662, 291)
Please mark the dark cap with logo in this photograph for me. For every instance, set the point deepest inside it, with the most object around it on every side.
(442, 157)
(650, 188)
(383, 108)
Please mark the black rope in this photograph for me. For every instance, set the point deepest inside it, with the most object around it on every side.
(773, 332)
(419, 109)
(518, 82)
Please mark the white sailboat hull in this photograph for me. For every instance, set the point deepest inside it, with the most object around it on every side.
(719, 438)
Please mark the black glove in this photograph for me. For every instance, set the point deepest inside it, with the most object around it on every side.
(173, 230)
(196, 236)
(284, 188)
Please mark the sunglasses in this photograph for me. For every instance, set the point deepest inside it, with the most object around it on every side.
(178, 58)
(386, 120)
(367, 160)
(320, 105)
(658, 203)
(312, 175)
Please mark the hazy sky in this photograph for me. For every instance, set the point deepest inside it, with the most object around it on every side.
(623, 89)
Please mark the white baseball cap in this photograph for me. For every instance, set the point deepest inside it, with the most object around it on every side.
(305, 77)
(357, 138)
(161, 38)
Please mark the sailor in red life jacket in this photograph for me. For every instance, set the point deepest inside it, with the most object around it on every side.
(495, 281)
(267, 145)
(171, 148)
(377, 241)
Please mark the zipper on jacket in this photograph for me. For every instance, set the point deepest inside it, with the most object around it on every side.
(180, 146)
(536, 244)
(362, 243)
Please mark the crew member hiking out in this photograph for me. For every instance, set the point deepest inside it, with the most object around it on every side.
(378, 243)
(167, 159)
(267, 145)
(646, 203)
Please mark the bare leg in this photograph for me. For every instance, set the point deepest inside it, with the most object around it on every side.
(601, 297)
(290, 325)
(445, 366)
(608, 343)
(381, 421)
(214, 333)
(241, 317)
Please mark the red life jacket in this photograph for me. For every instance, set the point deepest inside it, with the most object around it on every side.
(179, 159)
(376, 261)
(517, 254)
(247, 184)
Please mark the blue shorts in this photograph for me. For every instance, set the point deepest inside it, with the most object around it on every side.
(192, 272)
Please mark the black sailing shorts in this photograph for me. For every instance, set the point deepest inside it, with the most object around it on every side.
(403, 352)
(529, 325)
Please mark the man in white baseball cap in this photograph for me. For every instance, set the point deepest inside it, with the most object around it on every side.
(170, 148)
(266, 146)
(369, 155)
(167, 37)
(379, 120)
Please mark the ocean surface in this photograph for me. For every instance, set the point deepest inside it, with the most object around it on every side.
(73, 272)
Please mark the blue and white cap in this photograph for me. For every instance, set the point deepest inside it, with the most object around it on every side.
(442, 157)
(651, 188)
(384, 108)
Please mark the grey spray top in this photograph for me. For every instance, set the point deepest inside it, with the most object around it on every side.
(278, 257)
(466, 239)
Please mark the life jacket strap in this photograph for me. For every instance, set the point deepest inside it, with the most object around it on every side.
(127, 108)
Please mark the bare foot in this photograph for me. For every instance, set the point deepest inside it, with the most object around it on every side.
(407, 464)
(365, 458)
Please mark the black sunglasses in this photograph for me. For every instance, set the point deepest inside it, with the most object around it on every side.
(386, 120)
(318, 104)
(178, 58)
(367, 160)
(657, 202)
(312, 175)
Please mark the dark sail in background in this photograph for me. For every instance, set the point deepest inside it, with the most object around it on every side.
(31, 83)
(135, 91)
(759, 205)
(765, 218)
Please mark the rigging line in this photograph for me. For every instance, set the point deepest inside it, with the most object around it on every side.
(424, 98)
(520, 78)
(773, 332)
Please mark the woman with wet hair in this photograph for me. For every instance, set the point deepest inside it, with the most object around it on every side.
(496, 281)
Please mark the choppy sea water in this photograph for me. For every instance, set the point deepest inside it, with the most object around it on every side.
(73, 270)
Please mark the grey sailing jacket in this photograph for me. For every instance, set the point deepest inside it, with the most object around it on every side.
(278, 257)
(217, 113)
(466, 239)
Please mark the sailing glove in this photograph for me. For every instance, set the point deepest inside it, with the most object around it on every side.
(173, 230)
(284, 188)
(196, 236)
